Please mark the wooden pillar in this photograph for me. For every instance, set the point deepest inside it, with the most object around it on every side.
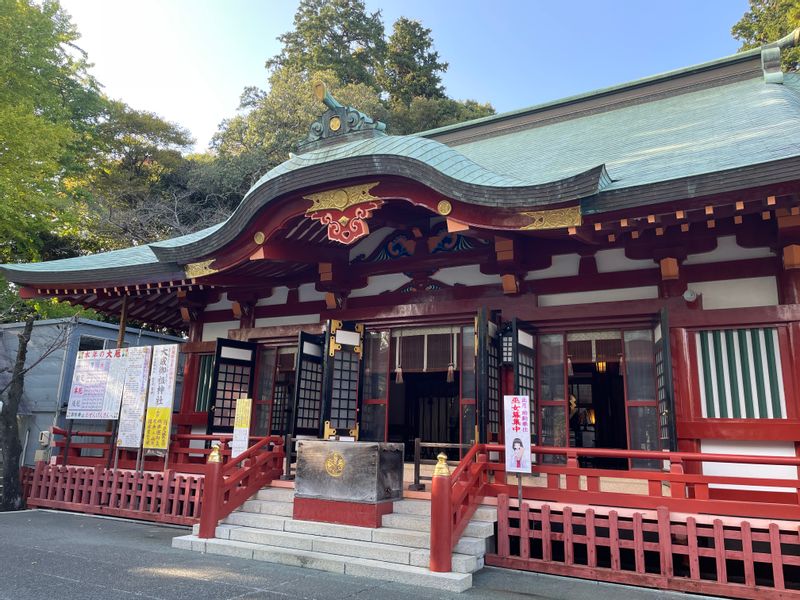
(123, 321)
(789, 275)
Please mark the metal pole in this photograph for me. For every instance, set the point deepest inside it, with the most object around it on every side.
(519, 491)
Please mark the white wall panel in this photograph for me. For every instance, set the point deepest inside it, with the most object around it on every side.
(636, 293)
(609, 261)
(727, 249)
(749, 448)
(563, 265)
(279, 296)
(465, 275)
(738, 293)
(212, 331)
(381, 283)
(291, 320)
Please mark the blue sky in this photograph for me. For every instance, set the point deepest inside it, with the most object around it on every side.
(188, 60)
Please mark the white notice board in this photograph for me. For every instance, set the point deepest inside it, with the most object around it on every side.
(134, 397)
(517, 425)
(97, 383)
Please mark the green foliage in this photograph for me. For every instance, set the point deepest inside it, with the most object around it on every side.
(767, 21)
(429, 113)
(335, 35)
(412, 68)
(263, 136)
(45, 95)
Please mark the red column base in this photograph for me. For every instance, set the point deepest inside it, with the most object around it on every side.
(343, 513)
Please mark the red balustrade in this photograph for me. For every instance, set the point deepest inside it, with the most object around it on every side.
(680, 487)
(228, 485)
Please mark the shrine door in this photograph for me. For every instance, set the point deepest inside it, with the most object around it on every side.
(234, 366)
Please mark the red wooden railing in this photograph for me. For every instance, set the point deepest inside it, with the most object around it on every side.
(680, 488)
(188, 453)
(658, 549)
(166, 497)
(228, 485)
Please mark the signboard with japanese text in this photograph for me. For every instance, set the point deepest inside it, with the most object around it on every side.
(159, 397)
(134, 397)
(97, 383)
(241, 426)
(517, 425)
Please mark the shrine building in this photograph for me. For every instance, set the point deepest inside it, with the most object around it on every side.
(629, 258)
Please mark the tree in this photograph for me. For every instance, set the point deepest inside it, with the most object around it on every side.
(11, 388)
(412, 68)
(768, 21)
(271, 123)
(429, 113)
(46, 92)
(336, 35)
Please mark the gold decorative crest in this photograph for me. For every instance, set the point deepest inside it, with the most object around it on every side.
(342, 198)
(259, 237)
(556, 218)
(335, 464)
(199, 269)
(444, 208)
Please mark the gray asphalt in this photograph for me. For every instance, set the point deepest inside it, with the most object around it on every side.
(63, 556)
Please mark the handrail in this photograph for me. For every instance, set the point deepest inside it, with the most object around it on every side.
(454, 499)
(418, 460)
(228, 486)
(659, 456)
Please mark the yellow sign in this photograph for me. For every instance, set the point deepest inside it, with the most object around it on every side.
(241, 426)
(334, 464)
(156, 428)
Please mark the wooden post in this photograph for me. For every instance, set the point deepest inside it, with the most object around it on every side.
(441, 518)
(211, 495)
(123, 322)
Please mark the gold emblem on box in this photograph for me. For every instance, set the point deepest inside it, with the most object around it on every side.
(334, 464)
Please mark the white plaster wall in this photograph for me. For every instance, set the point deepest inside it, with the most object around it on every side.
(279, 296)
(289, 320)
(563, 265)
(727, 249)
(749, 448)
(222, 304)
(308, 293)
(635, 293)
(212, 331)
(738, 293)
(381, 283)
(614, 259)
(465, 275)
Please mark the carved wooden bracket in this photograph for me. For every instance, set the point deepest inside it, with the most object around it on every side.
(344, 211)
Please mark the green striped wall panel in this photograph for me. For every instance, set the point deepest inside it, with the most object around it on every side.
(740, 374)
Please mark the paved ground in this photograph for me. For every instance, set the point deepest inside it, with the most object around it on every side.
(63, 556)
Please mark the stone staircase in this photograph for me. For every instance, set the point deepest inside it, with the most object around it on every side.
(263, 529)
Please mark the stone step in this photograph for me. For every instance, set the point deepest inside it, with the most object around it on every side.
(423, 507)
(474, 546)
(268, 507)
(248, 519)
(359, 567)
(412, 522)
(275, 494)
(462, 563)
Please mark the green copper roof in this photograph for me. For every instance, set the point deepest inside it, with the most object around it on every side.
(434, 154)
(709, 130)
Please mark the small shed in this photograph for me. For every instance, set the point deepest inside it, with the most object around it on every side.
(46, 390)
